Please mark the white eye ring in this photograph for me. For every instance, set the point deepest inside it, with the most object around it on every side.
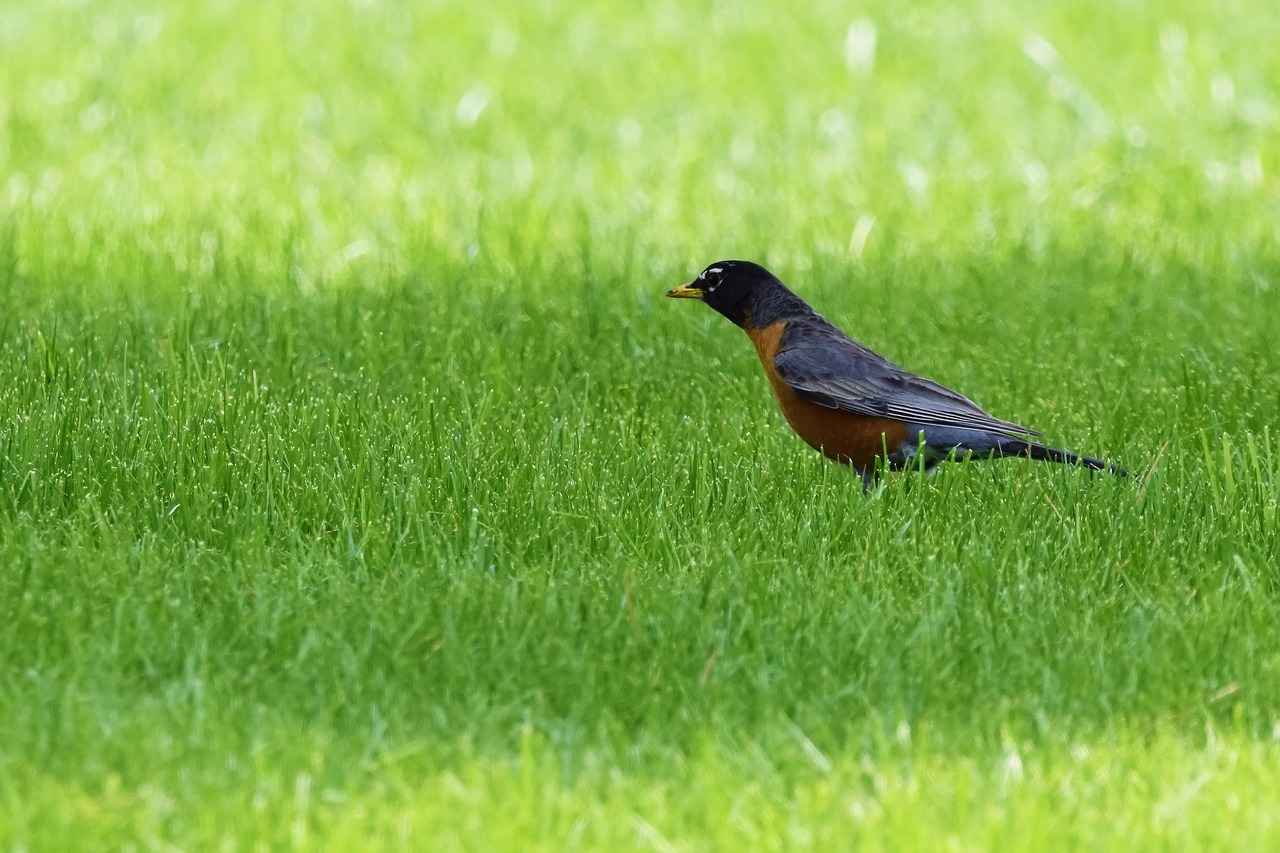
(703, 276)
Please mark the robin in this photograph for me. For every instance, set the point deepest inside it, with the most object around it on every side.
(848, 402)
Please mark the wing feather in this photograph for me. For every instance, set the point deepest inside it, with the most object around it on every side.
(826, 366)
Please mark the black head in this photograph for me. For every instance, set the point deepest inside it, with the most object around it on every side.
(740, 290)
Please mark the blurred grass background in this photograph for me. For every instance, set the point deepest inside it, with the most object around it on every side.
(358, 488)
(361, 133)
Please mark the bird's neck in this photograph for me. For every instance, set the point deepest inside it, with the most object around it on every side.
(777, 306)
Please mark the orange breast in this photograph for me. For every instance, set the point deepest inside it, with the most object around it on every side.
(855, 440)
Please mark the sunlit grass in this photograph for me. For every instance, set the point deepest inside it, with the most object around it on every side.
(359, 488)
(776, 791)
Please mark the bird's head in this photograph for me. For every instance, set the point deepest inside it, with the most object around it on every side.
(731, 287)
(746, 293)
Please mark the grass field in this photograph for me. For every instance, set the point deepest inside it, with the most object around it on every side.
(359, 489)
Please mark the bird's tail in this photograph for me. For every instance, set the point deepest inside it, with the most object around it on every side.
(1043, 453)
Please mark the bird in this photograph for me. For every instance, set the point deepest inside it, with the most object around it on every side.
(851, 404)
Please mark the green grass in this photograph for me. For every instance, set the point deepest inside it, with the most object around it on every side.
(359, 489)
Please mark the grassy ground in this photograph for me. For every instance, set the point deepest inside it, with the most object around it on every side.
(358, 489)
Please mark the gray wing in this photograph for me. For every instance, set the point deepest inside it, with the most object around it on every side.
(824, 365)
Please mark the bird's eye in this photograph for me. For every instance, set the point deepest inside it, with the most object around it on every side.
(712, 277)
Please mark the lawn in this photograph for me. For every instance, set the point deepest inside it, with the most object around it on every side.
(359, 489)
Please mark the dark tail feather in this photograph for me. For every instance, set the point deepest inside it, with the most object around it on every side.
(1041, 453)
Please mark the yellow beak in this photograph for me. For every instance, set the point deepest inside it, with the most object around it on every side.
(685, 291)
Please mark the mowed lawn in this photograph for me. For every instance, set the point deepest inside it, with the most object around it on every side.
(359, 489)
